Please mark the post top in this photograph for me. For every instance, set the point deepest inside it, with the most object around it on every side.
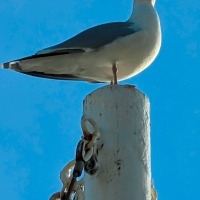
(119, 88)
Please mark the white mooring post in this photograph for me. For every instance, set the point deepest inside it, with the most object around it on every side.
(122, 115)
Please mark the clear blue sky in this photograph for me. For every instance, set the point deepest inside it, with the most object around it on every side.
(40, 118)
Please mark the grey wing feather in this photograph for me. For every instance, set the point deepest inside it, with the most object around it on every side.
(93, 38)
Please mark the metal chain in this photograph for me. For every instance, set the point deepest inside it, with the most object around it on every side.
(153, 192)
(85, 158)
(66, 176)
(89, 153)
(78, 168)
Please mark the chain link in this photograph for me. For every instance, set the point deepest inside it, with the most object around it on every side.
(85, 158)
(153, 192)
(89, 153)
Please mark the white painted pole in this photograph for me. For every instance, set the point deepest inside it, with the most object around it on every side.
(122, 114)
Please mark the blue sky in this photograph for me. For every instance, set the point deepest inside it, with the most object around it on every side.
(40, 118)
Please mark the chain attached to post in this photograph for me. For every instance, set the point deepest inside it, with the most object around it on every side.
(153, 192)
(86, 158)
(90, 146)
(78, 168)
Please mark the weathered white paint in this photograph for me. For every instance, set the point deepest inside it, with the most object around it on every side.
(122, 114)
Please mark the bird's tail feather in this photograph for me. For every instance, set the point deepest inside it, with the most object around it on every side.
(11, 65)
(4, 65)
(15, 65)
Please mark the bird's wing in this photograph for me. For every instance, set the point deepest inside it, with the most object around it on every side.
(89, 40)
(92, 39)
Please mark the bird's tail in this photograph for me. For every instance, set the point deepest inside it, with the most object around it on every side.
(11, 65)
(4, 65)
(15, 65)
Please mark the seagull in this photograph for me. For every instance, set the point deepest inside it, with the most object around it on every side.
(108, 52)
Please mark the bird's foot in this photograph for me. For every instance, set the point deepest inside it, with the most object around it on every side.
(114, 69)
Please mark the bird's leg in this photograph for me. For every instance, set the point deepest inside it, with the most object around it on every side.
(114, 69)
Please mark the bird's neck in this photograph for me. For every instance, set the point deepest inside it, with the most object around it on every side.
(152, 2)
(144, 14)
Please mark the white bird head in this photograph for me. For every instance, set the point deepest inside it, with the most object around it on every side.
(146, 1)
